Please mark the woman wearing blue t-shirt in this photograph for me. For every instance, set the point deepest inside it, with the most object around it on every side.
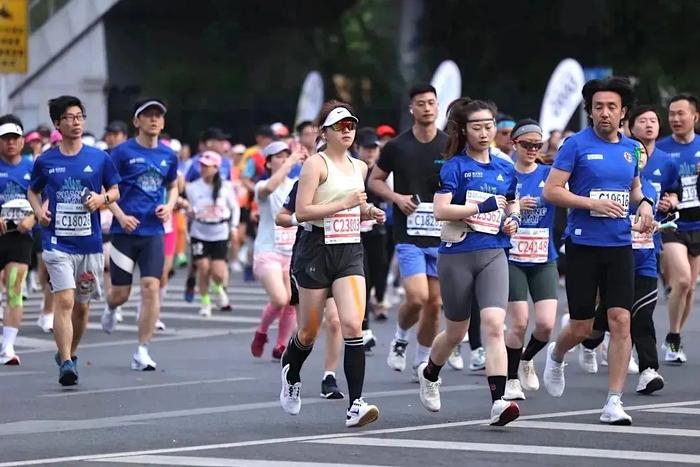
(477, 200)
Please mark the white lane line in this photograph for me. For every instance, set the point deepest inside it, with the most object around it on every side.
(220, 462)
(33, 343)
(504, 449)
(640, 430)
(20, 373)
(293, 439)
(168, 315)
(677, 410)
(149, 386)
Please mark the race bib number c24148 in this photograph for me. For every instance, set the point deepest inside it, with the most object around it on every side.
(342, 227)
(422, 223)
(530, 245)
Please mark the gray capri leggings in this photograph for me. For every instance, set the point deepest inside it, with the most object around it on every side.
(482, 274)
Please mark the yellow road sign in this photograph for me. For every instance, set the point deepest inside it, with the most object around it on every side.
(13, 36)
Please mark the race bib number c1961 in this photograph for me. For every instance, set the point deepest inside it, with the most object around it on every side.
(342, 227)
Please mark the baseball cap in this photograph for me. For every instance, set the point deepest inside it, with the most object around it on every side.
(144, 104)
(280, 129)
(238, 149)
(336, 115)
(274, 148)
(117, 126)
(385, 130)
(210, 159)
(213, 133)
(32, 136)
(11, 129)
(56, 136)
(367, 138)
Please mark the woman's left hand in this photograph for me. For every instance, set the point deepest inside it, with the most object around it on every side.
(510, 226)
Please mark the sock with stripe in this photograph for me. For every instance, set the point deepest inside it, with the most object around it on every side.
(354, 366)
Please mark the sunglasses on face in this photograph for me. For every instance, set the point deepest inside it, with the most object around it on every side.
(343, 125)
(528, 146)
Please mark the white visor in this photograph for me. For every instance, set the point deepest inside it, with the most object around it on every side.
(148, 104)
(336, 115)
(11, 129)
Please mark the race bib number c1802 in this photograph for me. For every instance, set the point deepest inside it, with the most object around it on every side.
(72, 220)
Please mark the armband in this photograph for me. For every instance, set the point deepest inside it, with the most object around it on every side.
(295, 222)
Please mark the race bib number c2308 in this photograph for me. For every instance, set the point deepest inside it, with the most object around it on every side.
(342, 227)
(620, 197)
(422, 223)
(72, 220)
(690, 192)
(487, 222)
(530, 245)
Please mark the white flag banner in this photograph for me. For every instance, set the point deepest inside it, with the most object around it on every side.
(310, 99)
(447, 81)
(562, 97)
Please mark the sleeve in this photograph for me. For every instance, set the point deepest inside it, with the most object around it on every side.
(256, 189)
(387, 157)
(232, 201)
(192, 172)
(449, 178)
(566, 156)
(510, 194)
(37, 181)
(291, 201)
(249, 171)
(110, 175)
(171, 176)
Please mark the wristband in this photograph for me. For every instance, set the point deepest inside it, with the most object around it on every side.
(295, 222)
(107, 201)
(647, 200)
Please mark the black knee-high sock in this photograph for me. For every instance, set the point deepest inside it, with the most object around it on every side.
(294, 356)
(534, 346)
(513, 361)
(497, 385)
(354, 366)
(475, 327)
(591, 344)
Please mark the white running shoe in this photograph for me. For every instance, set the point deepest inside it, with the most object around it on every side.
(614, 414)
(414, 373)
(361, 413)
(9, 357)
(108, 320)
(477, 360)
(160, 325)
(514, 392)
(397, 355)
(588, 360)
(205, 311)
(649, 381)
(429, 390)
(632, 366)
(290, 395)
(503, 412)
(455, 359)
(34, 283)
(528, 376)
(553, 374)
(45, 322)
(222, 299)
(142, 361)
(674, 354)
(119, 316)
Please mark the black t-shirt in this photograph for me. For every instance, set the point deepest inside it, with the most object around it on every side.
(377, 229)
(416, 167)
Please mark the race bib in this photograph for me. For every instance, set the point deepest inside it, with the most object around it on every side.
(342, 227)
(284, 239)
(422, 223)
(619, 196)
(16, 210)
(488, 222)
(212, 214)
(641, 241)
(530, 245)
(367, 226)
(72, 220)
(690, 192)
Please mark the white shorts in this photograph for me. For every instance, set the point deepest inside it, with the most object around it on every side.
(79, 272)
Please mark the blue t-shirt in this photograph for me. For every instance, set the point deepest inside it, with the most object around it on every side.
(461, 175)
(145, 174)
(14, 180)
(62, 179)
(645, 258)
(542, 217)
(598, 169)
(193, 172)
(685, 157)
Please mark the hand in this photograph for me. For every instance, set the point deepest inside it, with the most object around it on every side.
(128, 223)
(94, 202)
(377, 214)
(163, 212)
(609, 208)
(644, 219)
(406, 204)
(26, 225)
(510, 226)
(3, 226)
(665, 204)
(295, 157)
(527, 203)
(44, 215)
(355, 198)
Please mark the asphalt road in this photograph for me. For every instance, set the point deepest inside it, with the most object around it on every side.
(210, 403)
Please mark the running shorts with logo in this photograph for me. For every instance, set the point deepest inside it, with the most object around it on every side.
(317, 265)
(216, 250)
(541, 280)
(129, 251)
(416, 260)
(16, 247)
(75, 271)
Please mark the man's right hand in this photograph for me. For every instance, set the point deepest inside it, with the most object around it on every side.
(406, 204)
(128, 223)
(608, 208)
(44, 216)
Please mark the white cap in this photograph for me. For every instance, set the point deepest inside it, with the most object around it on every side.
(275, 147)
(175, 145)
(336, 115)
(11, 129)
(147, 104)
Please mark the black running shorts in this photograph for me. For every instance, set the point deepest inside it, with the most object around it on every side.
(317, 265)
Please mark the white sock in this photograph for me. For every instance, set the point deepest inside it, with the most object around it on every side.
(143, 348)
(162, 293)
(326, 373)
(422, 354)
(401, 334)
(8, 338)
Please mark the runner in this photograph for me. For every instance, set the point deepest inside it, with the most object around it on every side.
(476, 200)
(600, 167)
(16, 223)
(148, 169)
(331, 200)
(71, 177)
(681, 257)
(273, 248)
(532, 264)
(215, 213)
(504, 140)
(414, 159)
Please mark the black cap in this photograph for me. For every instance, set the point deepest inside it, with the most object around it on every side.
(117, 126)
(367, 138)
(265, 130)
(213, 133)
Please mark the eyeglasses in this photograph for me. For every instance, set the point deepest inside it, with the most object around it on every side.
(74, 118)
(528, 146)
(343, 125)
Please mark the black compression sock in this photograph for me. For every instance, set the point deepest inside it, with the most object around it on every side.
(354, 366)
(591, 344)
(513, 361)
(294, 356)
(497, 385)
(673, 338)
(534, 346)
(432, 371)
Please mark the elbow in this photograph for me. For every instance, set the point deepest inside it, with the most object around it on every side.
(439, 213)
(547, 193)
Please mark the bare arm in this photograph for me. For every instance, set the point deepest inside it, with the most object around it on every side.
(444, 211)
(555, 192)
(378, 185)
(284, 218)
(278, 177)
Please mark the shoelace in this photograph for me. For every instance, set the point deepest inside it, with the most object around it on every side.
(293, 391)
(432, 388)
(399, 349)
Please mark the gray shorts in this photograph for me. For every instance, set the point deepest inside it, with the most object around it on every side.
(79, 272)
(479, 274)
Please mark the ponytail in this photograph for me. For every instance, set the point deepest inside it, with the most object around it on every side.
(216, 183)
(458, 113)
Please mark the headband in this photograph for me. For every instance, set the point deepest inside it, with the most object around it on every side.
(503, 124)
(529, 128)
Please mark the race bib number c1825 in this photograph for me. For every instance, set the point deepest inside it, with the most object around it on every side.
(620, 197)
(342, 227)
(422, 223)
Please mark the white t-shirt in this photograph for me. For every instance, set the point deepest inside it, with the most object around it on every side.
(268, 207)
(212, 221)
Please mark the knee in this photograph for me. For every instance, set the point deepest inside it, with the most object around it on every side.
(333, 326)
(492, 329)
(518, 326)
(455, 333)
(351, 329)
(416, 300)
(307, 334)
(279, 300)
(581, 329)
(150, 286)
(619, 324)
(543, 329)
(682, 284)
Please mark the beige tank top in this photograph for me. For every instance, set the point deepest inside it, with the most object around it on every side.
(337, 185)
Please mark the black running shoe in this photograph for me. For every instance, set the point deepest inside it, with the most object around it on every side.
(329, 388)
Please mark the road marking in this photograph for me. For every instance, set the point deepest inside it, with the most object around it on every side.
(219, 462)
(149, 386)
(677, 410)
(505, 449)
(168, 315)
(33, 343)
(20, 373)
(642, 430)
